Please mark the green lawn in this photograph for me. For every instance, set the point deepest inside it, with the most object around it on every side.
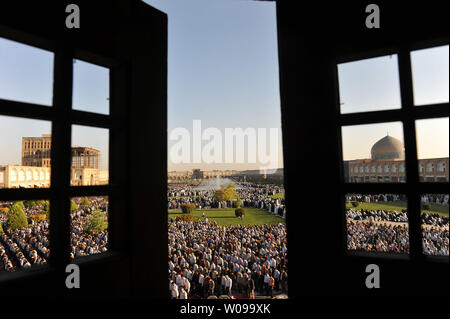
(398, 206)
(226, 217)
(279, 195)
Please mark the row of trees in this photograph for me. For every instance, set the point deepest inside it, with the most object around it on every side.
(16, 218)
(227, 193)
(97, 222)
(187, 208)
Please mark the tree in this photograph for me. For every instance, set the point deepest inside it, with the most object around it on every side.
(187, 208)
(43, 202)
(1, 228)
(239, 212)
(97, 222)
(85, 202)
(230, 192)
(46, 209)
(16, 218)
(219, 195)
(38, 217)
(29, 203)
(20, 204)
(355, 204)
(184, 218)
(73, 206)
(238, 203)
(227, 193)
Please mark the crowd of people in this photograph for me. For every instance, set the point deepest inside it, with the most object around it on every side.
(435, 242)
(375, 198)
(378, 215)
(439, 199)
(207, 260)
(84, 243)
(28, 246)
(394, 237)
(377, 237)
(24, 247)
(387, 230)
(435, 234)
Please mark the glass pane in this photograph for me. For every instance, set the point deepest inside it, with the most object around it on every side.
(26, 73)
(90, 87)
(89, 223)
(369, 85)
(435, 224)
(374, 153)
(432, 149)
(24, 234)
(24, 152)
(90, 156)
(430, 75)
(377, 223)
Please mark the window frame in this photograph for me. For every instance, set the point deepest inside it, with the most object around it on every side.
(413, 188)
(61, 116)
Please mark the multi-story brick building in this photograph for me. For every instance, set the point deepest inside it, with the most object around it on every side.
(36, 151)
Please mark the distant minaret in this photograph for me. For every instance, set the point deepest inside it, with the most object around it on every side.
(265, 174)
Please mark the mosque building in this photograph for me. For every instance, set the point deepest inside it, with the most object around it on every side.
(387, 165)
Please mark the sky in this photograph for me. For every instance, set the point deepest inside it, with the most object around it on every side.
(223, 70)
(26, 75)
(432, 138)
(373, 85)
(369, 85)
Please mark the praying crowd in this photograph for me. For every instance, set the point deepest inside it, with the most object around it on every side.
(378, 215)
(207, 260)
(28, 246)
(377, 237)
(440, 199)
(375, 198)
(385, 237)
(387, 231)
(24, 247)
(82, 242)
(435, 242)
